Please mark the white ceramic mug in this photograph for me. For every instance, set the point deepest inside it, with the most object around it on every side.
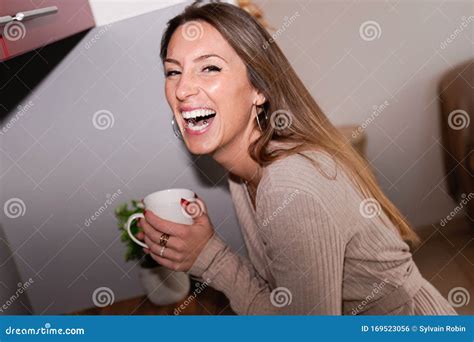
(167, 205)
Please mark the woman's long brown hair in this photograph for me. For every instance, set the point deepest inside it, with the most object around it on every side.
(270, 72)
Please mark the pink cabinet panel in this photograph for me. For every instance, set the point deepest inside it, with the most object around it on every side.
(43, 22)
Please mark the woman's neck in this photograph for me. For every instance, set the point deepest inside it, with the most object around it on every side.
(237, 160)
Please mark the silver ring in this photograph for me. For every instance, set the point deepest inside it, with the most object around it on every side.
(162, 251)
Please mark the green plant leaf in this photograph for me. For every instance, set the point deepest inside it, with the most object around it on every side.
(132, 250)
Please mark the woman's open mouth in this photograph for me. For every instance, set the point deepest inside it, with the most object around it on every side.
(198, 121)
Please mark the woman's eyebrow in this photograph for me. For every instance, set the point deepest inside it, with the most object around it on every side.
(174, 61)
(208, 56)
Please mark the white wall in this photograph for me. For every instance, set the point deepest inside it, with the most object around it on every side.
(348, 76)
(109, 11)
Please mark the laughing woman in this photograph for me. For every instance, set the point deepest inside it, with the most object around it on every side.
(321, 236)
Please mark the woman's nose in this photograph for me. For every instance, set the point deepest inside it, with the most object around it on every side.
(186, 87)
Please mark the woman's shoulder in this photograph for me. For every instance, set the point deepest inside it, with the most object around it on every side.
(310, 171)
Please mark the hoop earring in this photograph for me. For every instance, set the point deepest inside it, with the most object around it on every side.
(176, 131)
(258, 119)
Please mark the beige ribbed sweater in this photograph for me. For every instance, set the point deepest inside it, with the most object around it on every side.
(314, 250)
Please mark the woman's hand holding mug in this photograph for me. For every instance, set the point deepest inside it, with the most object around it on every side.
(174, 243)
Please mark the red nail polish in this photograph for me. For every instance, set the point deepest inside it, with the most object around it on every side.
(184, 201)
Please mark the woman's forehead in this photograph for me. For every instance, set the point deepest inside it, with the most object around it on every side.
(207, 41)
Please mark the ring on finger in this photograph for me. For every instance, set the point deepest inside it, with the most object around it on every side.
(164, 239)
(162, 251)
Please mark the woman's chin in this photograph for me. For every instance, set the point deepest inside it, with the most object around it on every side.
(201, 143)
(200, 146)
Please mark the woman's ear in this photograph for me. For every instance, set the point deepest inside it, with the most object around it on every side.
(260, 99)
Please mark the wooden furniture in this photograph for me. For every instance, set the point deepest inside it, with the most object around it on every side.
(456, 94)
(200, 301)
(26, 25)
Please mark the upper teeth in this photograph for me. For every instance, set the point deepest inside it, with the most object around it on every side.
(197, 113)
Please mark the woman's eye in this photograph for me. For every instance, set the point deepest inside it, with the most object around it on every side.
(171, 73)
(212, 68)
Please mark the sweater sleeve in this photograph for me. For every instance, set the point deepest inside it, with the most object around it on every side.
(305, 252)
